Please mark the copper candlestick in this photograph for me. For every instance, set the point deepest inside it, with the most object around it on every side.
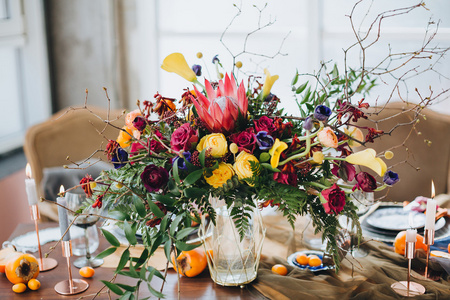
(408, 288)
(45, 264)
(71, 286)
(428, 240)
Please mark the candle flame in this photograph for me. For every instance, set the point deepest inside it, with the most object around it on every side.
(432, 190)
(28, 170)
(61, 190)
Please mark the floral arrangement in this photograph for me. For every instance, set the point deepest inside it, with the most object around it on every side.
(229, 140)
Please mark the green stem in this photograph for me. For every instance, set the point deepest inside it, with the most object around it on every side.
(316, 184)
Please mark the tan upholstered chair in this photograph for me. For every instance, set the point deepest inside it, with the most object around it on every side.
(427, 152)
(68, 133)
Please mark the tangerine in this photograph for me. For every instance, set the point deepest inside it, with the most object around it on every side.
(400, 243)
(34, 284)
(314, 261)
(302, 259)
(448, 248)
(279, 269)
(87, 272)
(19, 288)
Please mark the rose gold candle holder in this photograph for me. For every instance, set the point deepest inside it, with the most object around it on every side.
(428, 240)
(71, 286)
(45, 264)
(408, 288)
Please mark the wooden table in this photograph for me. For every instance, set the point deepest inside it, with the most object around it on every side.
(200, 287)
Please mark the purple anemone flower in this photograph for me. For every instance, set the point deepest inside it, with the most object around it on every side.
(308, 124)
(182, 161)
(322, 112)
(390, 178)
(120, 158)
(264, 141)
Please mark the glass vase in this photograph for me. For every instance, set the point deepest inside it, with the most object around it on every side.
(232, 261)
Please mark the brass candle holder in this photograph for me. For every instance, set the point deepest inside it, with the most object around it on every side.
(45, 263)
(71, 286)
(408, 288)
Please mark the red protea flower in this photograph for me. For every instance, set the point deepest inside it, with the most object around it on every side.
(221, 109)
(86, 184)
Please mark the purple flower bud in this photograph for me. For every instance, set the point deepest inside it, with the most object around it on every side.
(390, 178)
(197, 70)
(182, 161)
(308, 124)
(216, 58)
(264, 141)
(139, 123)
(322, 112)
(120, 158)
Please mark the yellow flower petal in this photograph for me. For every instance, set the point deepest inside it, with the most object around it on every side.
(176, 63)
(275, 152)
(368, 159)
(268, 83)
(355, 133)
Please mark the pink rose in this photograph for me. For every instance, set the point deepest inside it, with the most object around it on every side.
(335, 200)
(265, 124)
(183, 137)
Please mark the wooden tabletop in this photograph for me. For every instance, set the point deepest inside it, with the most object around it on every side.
(200, 287)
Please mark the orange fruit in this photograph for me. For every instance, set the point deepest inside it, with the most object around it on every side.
(279, 269)
(314, 261)
(5, 255)
(400, 243)
(34, 284)
(302, 259)
(19, 288)
(448, 248)
(87, 272)
(190, 263)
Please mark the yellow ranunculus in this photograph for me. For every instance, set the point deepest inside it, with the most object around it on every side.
(268, 83)
(275, 152)
(355, 133)
(124, 139)
(242, 165)
(177, 64)
(368, 159)
(216, 141)
(220, 175)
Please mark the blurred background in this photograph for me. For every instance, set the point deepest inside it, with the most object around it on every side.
(52, 50)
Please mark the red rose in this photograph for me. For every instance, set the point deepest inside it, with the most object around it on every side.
(366, 182)
(154, 178)
(335, 200)
(183, 137)
(265, 124)
(245, 140)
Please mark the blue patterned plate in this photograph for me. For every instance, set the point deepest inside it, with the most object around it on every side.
(293, 262)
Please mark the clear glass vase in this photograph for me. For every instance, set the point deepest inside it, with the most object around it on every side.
(232, 261)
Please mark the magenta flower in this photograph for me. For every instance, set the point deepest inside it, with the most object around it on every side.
(154, 178)
(365, 182)
(265, 124)
(245, 140)
(183, 137)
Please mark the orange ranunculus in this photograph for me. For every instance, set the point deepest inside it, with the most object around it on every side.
(130, 118)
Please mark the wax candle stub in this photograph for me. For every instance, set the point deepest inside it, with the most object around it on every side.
(431, 214)
(411, 235)
(63, 219)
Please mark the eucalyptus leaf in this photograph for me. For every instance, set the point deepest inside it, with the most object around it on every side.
(185, 247)
(193, 177)
(130, 234)
(140, 208)
(123, 260)
(113, 287)
(106, 252)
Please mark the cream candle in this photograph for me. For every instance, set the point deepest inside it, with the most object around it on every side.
(431, 210)
(63, 219)
(30, 185)
(411, 235)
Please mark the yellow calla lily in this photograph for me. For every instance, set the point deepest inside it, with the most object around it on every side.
(368, 159)
(270, 80)
(176, 63)
(275, 152)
